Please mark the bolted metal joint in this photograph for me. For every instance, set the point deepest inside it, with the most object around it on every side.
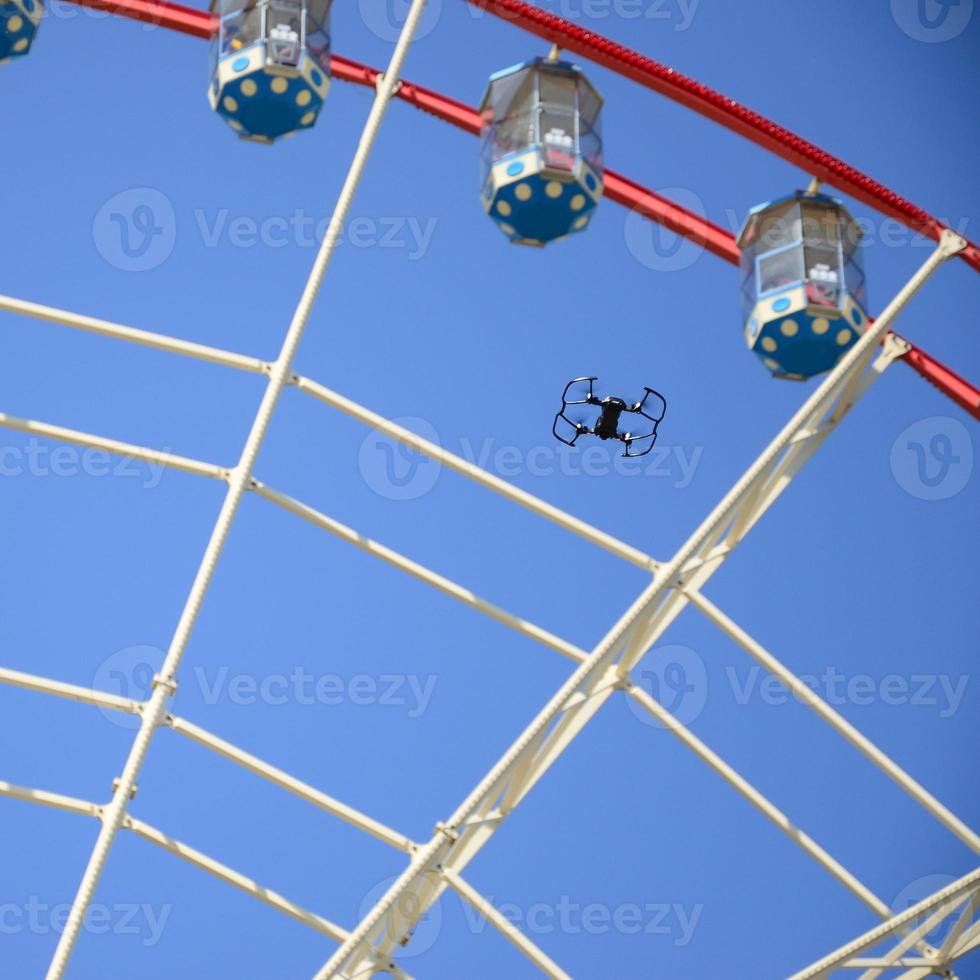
(165, 682)
(448, 832)
(950, 243)
(116, 784)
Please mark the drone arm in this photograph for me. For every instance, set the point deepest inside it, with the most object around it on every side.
(590, 399)
(639, 406)
(580, 430)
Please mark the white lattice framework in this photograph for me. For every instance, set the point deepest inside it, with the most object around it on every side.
(435, 865)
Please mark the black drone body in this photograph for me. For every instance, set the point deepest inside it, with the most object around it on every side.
(606, 425)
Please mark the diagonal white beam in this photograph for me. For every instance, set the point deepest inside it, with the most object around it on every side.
(768, 809)
(360, 947)
(279, 375)
(73, 692)
(58, 801)
(505, 927)
(475, 473)
(146, 338)
(966, 916)
(290, 783)
(964, 886)
(310, 514)
(804, 693)
(254, 365)
(125, 449)
(968, 941)
(234, 878)
(220, 747)
(896, 957)
(192, 856)
(420, 572)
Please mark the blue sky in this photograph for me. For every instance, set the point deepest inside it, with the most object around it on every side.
(631, 858)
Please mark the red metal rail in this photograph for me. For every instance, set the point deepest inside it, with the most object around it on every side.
(622, 190)
(721, 109)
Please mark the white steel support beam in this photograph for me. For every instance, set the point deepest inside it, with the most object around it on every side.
(334, 527)
(420, 572)
(58, 801)
(145, 338)
(475, 473)
(771, 812)
(621, 649)
(290, 783)
(219, 746)
(916, 919)
(254, 365)
(243, 883)
(125, 449)
(805, 694)
(280, 374)
(102, 699)
(505, 927)
(192, 856)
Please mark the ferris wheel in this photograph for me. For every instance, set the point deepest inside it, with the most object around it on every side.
(805, 315)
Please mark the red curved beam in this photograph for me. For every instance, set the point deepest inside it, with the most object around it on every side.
(622, 190)
(721, 109)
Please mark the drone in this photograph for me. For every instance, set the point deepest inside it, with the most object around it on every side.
(607, 424)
